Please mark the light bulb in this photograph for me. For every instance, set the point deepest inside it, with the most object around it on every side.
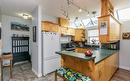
(25, 17)
(80, 10)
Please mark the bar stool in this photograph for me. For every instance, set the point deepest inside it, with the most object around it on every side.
(9, 57)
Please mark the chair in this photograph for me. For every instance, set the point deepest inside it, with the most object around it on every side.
(9, 57)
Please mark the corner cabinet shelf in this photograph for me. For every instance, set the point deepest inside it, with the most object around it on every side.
(20, 49)
(112, 29)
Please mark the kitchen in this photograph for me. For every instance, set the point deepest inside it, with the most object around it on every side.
(74, 41)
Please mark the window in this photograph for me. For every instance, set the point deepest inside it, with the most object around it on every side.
(124, 14)
(93, 35)
(89, 22)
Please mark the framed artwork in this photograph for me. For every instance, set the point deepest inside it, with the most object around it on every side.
(19, 27)
(34, 34)
(126, 35)
(103, 27)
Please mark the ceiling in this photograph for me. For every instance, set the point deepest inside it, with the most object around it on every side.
(55, 7)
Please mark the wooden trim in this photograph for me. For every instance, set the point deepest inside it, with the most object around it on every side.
(49, 22)
(111, 16)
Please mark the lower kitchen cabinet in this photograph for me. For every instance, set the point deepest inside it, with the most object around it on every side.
(105, 69)
(100, 71)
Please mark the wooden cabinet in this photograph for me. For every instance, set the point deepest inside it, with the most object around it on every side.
(106, 68)
(111, 27)
(100, 71)
(63, 30)
(52, 27)
(71, 31)
(49, 26)
(67, 31)
(114, 30)
(79, 35)
(63, 22)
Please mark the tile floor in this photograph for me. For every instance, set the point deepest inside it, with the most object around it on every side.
(23, 72)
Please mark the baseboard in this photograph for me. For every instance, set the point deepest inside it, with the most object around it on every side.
(126, 68)
(38, 75)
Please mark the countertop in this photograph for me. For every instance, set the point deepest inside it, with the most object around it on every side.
(98, 55)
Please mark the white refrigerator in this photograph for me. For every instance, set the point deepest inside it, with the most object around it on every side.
(50, 44)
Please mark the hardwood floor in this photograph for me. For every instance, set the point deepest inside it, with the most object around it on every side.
(121, 75)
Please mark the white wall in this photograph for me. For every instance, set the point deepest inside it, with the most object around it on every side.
(36, 46)
(0, 14)
(7, 32)
(125, 47)
(49, 18)
(0, 39)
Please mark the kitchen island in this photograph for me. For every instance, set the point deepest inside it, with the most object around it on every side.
(100, 66)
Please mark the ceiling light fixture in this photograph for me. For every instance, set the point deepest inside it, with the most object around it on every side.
(25, 15)
(80, 10)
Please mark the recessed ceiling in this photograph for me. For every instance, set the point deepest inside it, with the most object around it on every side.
(53, 7)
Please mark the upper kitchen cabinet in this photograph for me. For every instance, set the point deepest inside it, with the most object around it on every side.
(71, 31)
(63, 30)
(63, 22)
(108, 25)
(79, 35)
(67, 31)
(109, 29)
(49, 26)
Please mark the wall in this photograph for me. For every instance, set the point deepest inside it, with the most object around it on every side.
(0, 15)
(49, 18)
(36, 46)
(7, 32)
(125, 47)
(0, 27)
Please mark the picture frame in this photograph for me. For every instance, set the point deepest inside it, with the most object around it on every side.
(126, 36)
(34, 33)
(103, 27)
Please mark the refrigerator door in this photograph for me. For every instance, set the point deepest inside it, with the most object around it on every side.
(51, 60)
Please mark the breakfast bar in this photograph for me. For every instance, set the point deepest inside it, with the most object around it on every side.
(99, 67)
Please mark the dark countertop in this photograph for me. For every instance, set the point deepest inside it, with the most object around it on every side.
(98, 55)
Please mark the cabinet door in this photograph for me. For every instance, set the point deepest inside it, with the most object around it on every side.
(113, 28)
(54, 28)
(46, 26)
(111, 65)
(50, 27)
(71, 31)
(114, 32)
(79, 34)
(63, 30)
(63, 22)
(100, 72)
